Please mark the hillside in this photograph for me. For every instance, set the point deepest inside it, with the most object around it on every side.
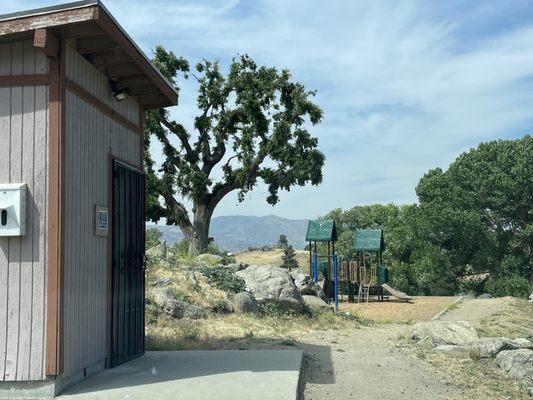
(239, 232)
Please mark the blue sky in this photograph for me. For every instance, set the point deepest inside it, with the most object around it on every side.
(405, 86)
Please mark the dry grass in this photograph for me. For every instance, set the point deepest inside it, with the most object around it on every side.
(234, 331)
(516, 321)
(272, 257)
(419, 309)
(228, 330)
(476, 380)
(202, 294)
(481, 379)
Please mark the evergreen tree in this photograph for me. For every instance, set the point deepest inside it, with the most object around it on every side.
(289, 258)
(282, 241)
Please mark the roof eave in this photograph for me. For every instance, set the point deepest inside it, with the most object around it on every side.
(87, 11)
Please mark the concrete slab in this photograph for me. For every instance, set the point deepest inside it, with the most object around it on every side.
(197, 375)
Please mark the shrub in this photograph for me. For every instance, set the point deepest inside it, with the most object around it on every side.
(508, 285)
(223, 278)
(151, 313)
(188, 330)
(153, 237)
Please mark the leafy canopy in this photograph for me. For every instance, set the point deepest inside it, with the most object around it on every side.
(252, 124)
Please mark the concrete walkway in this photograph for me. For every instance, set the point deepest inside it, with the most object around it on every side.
(197, 375)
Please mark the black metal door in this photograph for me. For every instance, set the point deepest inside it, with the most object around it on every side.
(127, 328)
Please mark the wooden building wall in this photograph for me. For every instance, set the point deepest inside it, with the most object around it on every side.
(24, 158)
(91, 136)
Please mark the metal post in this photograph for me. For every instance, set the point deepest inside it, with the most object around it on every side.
(336, 284)
(310, 259)
(315, 267)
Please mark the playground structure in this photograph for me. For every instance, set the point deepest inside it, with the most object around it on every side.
(360, 278)
(324, 231)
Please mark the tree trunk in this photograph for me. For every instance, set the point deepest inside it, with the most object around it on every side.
(199, 239)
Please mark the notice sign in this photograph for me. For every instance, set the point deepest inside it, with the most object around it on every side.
(102, 221)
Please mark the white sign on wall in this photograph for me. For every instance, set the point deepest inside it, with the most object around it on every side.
(101, 221)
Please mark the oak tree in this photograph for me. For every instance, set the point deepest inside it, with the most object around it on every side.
(252, 126)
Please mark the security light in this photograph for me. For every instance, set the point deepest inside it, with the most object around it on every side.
(118, 92)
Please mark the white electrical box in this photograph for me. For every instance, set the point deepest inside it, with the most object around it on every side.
(12, 209)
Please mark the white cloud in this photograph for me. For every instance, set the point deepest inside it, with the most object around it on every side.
(405, 86)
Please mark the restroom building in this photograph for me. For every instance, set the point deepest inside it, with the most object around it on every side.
(74, 88)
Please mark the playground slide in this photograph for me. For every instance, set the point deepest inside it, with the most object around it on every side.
(396, 293)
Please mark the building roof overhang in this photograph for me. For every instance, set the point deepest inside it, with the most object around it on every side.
(98, 37)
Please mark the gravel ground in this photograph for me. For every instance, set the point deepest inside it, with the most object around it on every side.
(366, 364)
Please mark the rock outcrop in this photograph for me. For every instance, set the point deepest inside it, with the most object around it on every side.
(436, 333)
(164, 299)
(304, 283)
(244, 302)
(316, 303)
(517, 363)
(269, 284)
(489, 347)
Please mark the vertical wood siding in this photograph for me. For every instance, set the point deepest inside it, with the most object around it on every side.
(24, 158)
(88, 77)
(90, 137)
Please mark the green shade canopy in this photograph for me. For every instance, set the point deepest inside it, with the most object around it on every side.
(369, 240)
(321, 231)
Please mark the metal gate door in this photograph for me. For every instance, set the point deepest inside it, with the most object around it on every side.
(128, 234)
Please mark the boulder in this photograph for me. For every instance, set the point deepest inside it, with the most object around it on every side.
(451, 349)
(522, 343)
(209, 259)
(531, 298)
(269, 284)
(237, 266)
(164, 299)
(485, 296)
(304, 283)
(244, 302)
(517, 363)
(436, 333)
(489, 347)
(316, 303)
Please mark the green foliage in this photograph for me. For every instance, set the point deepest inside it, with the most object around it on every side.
(179, 295)
(151, 314)
(272, 310)
(180, 248)
(475, 217)
(282, 241)
(224, 279)
(252, 125)
(509, 285)
(153, 237)
(289, 258)
(481, 209)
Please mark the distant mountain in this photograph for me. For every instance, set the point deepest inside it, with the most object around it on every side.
(238, 232)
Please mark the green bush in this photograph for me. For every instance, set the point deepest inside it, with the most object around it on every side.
(508, 285)
(151, 314)
(223, 278)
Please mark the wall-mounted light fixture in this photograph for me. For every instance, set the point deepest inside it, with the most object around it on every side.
(118, 93)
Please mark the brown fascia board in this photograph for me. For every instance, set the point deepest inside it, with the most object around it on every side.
(87, 11)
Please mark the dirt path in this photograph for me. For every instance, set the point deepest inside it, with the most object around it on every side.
(366, 364)
(474, 310)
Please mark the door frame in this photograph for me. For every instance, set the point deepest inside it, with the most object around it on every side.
(109, 331)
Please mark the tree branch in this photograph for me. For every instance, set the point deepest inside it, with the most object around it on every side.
(180, 132)
(177, 214)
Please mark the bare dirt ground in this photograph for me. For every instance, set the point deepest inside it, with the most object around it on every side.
(475, 310)
(378, 361)
(418, 309)
(366, 364)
